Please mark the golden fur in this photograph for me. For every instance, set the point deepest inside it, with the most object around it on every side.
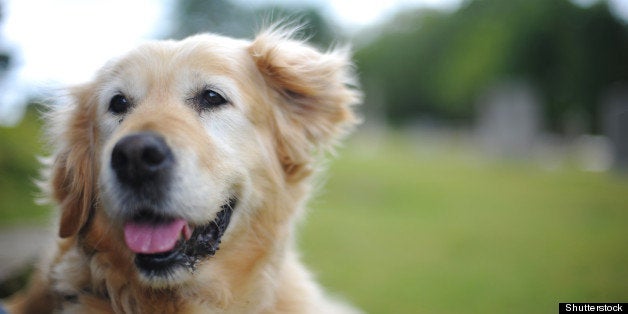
(288, 102)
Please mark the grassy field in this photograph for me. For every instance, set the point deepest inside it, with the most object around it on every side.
(399, 228)
(396, 230)
(19, 147)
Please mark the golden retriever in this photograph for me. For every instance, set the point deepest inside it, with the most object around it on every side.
(181, 148)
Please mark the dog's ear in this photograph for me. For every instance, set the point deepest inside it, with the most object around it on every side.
(73, 170)
(316, 93)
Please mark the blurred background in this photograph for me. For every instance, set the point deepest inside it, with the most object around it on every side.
(489, 175)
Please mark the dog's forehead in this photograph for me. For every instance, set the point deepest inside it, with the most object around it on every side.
(168, 61)
(199, 50)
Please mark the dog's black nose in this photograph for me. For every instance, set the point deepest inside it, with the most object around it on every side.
(141, 158)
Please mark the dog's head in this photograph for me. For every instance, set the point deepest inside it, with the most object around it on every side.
(181, 145)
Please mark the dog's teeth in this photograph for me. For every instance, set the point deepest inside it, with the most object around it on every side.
(187, 231)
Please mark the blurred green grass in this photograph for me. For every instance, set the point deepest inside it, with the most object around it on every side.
(399, 231)
(399, 227)
(19, 148)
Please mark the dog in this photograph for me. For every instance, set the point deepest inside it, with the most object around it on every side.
(180, 171)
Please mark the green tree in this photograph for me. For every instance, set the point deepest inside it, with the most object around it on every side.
(5, 56)
(435, 63)
(231, 19)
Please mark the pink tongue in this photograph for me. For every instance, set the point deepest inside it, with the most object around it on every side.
(146, 238)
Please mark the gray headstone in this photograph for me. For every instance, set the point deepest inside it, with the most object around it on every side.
(615, 124)
(509, 120)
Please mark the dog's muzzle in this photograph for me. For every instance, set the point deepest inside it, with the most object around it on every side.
(144, 164)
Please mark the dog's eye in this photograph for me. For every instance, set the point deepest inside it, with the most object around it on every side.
(119, 104)
(210, 99)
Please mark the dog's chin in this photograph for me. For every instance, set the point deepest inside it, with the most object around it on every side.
(178, 264)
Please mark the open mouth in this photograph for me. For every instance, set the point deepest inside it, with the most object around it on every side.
(162, 244)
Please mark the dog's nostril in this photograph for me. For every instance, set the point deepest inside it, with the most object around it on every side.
(141, 157)
(153, 156)
(118, 158)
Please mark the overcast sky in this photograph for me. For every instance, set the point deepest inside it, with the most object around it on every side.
(62, 42)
